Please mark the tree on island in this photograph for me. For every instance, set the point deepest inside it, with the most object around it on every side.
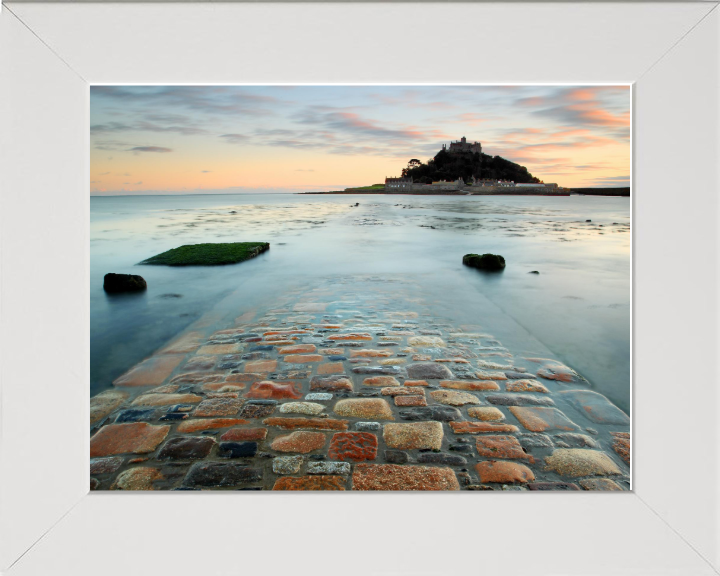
(465, 164)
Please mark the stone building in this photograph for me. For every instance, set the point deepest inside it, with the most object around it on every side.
(463, 145)
(398, 184)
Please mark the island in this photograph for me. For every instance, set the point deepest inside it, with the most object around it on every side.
(464, 169)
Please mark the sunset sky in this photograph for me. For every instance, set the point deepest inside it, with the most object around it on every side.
(230, 139)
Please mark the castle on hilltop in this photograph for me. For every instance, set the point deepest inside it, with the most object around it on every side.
(463, 145)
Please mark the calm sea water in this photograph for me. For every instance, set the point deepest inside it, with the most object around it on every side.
(576, 309)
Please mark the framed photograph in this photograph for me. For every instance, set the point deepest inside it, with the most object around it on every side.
(309, 280)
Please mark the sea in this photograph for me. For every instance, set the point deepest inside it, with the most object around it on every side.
(565, 291)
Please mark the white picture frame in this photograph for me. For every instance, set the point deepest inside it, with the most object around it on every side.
(50, 53)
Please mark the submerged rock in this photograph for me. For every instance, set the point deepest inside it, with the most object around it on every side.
(490, 262)
(116, 283)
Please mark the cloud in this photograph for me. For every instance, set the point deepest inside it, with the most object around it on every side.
(471, 119)
(205, 171)
(235, 138)
(206, 99)
(585, 114)
(111, 145)
(353, 123)
(149, 149)
(144, 126)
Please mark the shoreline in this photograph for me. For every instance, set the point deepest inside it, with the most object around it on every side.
(453, 193)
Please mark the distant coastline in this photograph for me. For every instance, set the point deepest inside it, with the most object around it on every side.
(506, 192)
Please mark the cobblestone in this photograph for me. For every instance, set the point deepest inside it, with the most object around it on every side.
(453, 398)
(137, 479)
(416, 435)
(308, 408)
(353, 446)
(503, 472)
(318, 482)
(301, 442)
(538, 419)
(486, 413)
(364, 408)
(287, 464)
(218, 407)
(470, 384)
(297, 397)
(393, 477)
(136, 438)
(340, 468)
(576, 462)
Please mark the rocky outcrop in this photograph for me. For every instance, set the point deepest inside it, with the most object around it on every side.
(118, 283)
(487, 262)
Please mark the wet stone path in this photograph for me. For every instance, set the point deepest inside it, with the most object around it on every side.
(348, 388)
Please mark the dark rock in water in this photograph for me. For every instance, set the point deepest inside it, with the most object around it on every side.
(439, 413)
(460, 447)
(552, 486)
(220, 474)
(519, 400)
(387, 343)
(257, 355)
(335, 358)
(182, 448)
(261, 348)
(429, 371)
(449, 459)
(116, 283)
(512, 375)
(170, 296)
(489, 262)
(533, 272)
(588, 220)
(250, 336)
(135, 415)
(238, 449)
(396, 456)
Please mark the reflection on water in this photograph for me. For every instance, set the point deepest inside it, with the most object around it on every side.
(577, 307)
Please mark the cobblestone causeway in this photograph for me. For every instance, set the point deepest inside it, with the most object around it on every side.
(346, 387)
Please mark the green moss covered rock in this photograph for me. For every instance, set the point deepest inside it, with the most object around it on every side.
(209, 254)
(489, 262)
